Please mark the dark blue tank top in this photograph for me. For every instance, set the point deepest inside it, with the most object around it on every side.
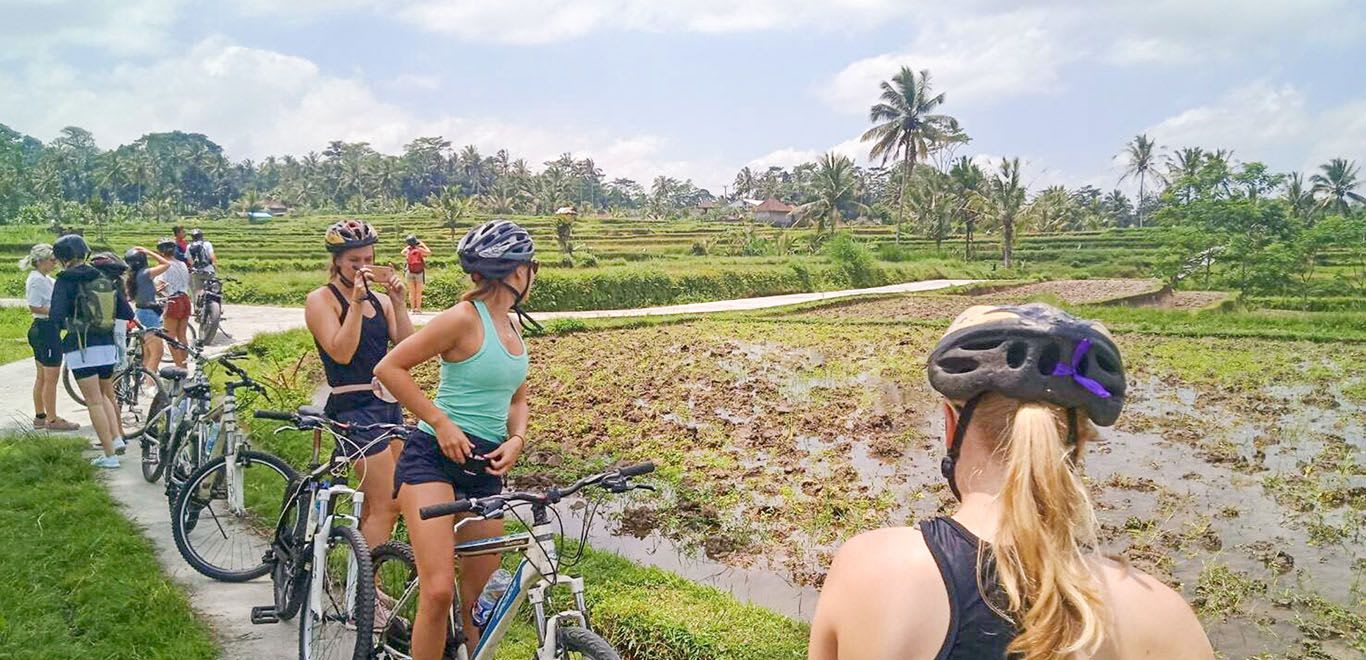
(975, 630)
(374, 344)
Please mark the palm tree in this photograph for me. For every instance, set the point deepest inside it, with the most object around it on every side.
(836, 188)
(1299, 197)
(1116, 208)
(1336, 185)
(449, 208)
(968, 187)
(1183, 169)
(929, 197)
(1142, 154)
(745, 182)
(1007, 196)
(906, 126)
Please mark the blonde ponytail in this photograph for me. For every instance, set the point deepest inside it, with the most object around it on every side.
(1046, 530)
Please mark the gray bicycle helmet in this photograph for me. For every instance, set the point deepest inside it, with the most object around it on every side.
(495, 249)
(1032, 352)
(197, 234)
(70, 247)
(135, 259)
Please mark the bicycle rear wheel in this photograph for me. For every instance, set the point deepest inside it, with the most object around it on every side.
(69, 383)
(289, 572)
(137, 391)
(339, 623)
(153, 436)
(396, 596)
(216, 540)
(208, 328)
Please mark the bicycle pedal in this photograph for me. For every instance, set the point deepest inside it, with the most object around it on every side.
(264, 614)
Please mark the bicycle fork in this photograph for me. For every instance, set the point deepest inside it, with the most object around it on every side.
(322, 532)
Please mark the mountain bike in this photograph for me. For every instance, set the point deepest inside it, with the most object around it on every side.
(320, 563)
(135, 387)
(560, 636)
(222, 512)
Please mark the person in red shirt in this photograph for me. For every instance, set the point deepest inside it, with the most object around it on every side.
(415, 255)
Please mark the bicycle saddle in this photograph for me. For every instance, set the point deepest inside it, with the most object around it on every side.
(173, 373)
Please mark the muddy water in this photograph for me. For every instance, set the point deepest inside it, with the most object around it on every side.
(756, 585)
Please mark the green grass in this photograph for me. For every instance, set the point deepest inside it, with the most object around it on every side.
(14, 323)
(77, 580)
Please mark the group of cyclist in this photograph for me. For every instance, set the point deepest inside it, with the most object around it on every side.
(1014, 572)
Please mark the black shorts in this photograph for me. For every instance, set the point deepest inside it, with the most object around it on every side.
(363, 408)
(46, 342)
(105, 372)
(422, 462)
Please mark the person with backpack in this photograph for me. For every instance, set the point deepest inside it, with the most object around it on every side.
(142, 291)
(203, 261)
(85, 303)
(181, 245)
(1016, 571)
(415, 255)
(175, 288)
(114, 268)
(45, 339)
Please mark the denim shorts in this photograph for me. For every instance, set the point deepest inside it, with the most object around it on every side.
(422, 462)
(149, 318)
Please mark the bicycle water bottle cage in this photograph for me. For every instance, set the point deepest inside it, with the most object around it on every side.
(173, 373)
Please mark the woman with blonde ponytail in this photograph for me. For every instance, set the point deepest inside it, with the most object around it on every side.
(1015, 572)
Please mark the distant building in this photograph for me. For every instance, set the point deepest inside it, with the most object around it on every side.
(274, 207)
(566, 210)
(774, 212)
(707, 208)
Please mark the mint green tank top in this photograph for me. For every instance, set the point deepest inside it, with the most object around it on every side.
(476, 392)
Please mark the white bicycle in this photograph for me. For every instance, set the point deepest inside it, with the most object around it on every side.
(561, 635)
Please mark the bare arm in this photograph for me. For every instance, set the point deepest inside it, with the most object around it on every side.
(505, 456)
(340, 338)
(441, 335)
(37, 310)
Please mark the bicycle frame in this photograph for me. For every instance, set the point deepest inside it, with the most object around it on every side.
(321, 518)
(529, 581)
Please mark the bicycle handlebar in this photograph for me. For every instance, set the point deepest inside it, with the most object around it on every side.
(305, 421)
(279, 415)
(614, 480)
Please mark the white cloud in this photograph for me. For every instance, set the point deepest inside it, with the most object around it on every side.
(1270, 123)
(123, 27)
(257, 102)
(970, 60)
(417, 81)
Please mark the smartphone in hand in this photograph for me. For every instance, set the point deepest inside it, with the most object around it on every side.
(381, 274)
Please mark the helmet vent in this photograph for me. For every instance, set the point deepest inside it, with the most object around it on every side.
(1048, 359)
(1016, 354)
(1105, 363)
(983, 344)
(957, 365)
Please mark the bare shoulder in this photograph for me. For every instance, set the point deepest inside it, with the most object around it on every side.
(873, 560)
(1150, 616)
(321, 298)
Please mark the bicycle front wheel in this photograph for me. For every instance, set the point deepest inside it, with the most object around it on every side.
(137, 391)
(583, 644)
(219, 539)
(338, 618)
(208, 327)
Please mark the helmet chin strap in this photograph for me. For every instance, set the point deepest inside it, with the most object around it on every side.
(522, 317)
(950, 463)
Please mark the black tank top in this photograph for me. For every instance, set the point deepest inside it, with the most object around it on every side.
(374, 344)
(975, 630)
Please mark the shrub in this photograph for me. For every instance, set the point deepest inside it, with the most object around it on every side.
(587, 260)
(853, 259)
(699, 248)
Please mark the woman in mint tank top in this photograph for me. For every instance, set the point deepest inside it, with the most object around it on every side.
(471, 434)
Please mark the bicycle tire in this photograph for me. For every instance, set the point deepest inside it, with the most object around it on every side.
(213, 313)
(69, 384)
(588, 644)
(129, 395)
(182, 460)
(194, 507)
(360, 619)
(153, 435)
(395, 570)
(288, 573)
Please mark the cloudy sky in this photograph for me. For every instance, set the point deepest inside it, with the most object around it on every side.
(696, 88)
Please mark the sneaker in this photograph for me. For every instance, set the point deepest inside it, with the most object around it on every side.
(59, 424)
(107, 462)
(120, 446)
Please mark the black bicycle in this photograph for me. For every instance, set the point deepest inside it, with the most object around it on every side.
(319, 562)
(208, 304)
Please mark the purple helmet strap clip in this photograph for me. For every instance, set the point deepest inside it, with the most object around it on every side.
(1078, 356)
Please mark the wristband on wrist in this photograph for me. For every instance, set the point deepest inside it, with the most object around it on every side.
(518, 435)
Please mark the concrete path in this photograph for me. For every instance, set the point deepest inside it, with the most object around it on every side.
(227, 606)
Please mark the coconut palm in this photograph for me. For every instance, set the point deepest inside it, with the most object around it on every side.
(836, 189)
(1335, 187)
(931, 199)
(969, 188)
(1142, 165)
(1299, 196)
(906, 126)
(449, 208)
(1007, 197)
